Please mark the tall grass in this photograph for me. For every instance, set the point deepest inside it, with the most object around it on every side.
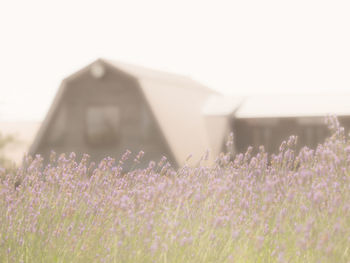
(288, 207)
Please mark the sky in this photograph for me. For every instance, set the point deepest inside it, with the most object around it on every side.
(235, 47)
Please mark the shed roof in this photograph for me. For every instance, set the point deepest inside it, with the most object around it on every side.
(296, 105)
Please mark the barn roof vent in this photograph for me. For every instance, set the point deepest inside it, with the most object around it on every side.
(97, 70)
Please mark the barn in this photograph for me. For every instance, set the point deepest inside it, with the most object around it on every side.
(108, 107)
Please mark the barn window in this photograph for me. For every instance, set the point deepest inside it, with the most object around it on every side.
(102, 125)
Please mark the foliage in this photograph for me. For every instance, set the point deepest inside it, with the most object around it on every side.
(288, 207)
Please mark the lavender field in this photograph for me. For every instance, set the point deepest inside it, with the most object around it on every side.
(287, 207)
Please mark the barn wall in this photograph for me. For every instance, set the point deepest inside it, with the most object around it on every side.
(270, 132)
(137, 128)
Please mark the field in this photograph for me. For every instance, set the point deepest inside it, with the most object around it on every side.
(287, 207)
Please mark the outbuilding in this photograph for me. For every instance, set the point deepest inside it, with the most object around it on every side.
(270, 119)
(109, 107)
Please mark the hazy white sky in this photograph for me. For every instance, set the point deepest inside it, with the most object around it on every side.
(231, 46)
